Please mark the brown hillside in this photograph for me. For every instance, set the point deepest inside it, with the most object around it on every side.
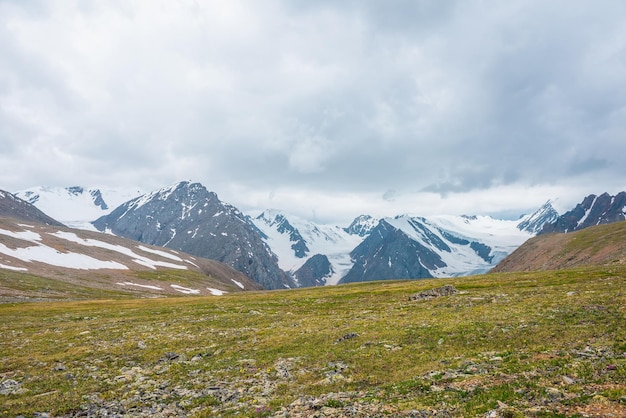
(597, 245)
(65, 271)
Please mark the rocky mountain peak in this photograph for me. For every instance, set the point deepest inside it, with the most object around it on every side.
(187, 217)
(362, 225)
(534, 222)
(593, 210)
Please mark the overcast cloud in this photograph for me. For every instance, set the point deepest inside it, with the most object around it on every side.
(323, 108)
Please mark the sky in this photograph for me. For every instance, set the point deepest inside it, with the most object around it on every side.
(324, 109)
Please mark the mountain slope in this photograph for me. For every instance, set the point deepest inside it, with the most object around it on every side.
(45, 261)
(408, 247)
(295, 241)
(314, 272)
(593, 210)
(189, 218)
(14, 207)
(389, 253)
(77, 206)
(596, 245)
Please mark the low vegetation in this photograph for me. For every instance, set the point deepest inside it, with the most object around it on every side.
(596, 245)
(507, 344)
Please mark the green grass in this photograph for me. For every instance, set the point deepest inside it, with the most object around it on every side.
(51, 289)
(506, 337)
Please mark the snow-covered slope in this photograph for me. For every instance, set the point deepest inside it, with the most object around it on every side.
(399, 247)
(77, 206)
(295, 240)
(407, 247)
(477, 243)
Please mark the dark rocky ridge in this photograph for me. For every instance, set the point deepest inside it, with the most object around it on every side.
(314, 271)
(16, 208)
(593, 210)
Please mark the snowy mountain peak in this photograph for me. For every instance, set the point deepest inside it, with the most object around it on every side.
(295, 241)
(192, 193)
(276, 219)
(76, 206)
(362, 225)
(534, 222)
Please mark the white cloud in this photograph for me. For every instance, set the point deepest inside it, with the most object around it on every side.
(321, 99)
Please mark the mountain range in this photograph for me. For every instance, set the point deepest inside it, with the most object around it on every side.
(279, 250)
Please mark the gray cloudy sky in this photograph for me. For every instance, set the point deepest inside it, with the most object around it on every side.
(326, 109)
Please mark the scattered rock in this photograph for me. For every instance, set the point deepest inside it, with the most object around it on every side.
(9, 386)
(567, 380)
(169, 356)
(348, 336)
(283, 368)
(446, 290)
(141, 345)
(334, 372)
(59, 367)
(554, 394)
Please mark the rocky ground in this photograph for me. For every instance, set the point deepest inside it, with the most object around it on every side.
(147, 391)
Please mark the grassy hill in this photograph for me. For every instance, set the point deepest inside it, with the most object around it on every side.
(597, 245)
(508, 344)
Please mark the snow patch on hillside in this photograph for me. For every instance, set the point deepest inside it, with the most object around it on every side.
(139, 259)
(4, 266)
(44, 254)
(185, 290)
(140, 285)
(30, 236)
(161, 253)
